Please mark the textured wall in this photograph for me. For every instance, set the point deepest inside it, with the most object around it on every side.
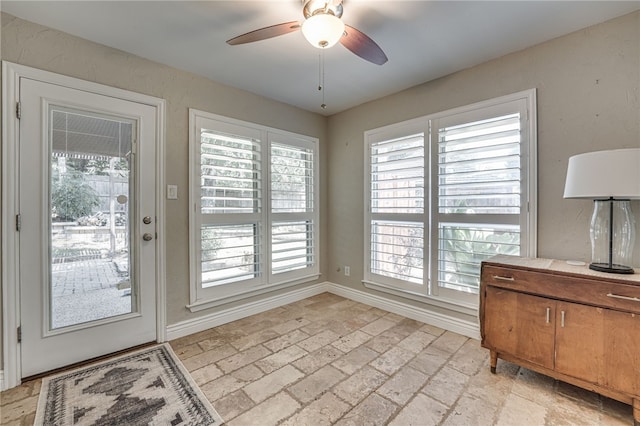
(588, 99)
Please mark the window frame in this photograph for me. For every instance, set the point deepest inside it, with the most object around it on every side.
(429, 292)
(203, 298)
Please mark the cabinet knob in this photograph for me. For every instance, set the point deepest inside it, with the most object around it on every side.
(561, 318)
(548, 315)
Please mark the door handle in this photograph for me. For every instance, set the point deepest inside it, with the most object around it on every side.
(548, 315)
(147, 236)
(562, 319)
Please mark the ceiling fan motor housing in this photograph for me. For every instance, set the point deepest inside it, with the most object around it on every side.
(314, 7)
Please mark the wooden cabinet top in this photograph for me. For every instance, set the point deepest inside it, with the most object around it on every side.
(562, 268)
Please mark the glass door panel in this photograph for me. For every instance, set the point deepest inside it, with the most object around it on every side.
(89, 195)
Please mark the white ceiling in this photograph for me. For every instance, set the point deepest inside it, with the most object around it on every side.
(423, 40)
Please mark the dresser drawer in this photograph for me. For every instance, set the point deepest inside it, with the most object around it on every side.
(600, 293)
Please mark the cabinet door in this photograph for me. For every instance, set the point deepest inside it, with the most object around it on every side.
(520, 325)
(622, 352)
(580, 341)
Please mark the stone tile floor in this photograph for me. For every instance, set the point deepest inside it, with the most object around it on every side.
(329, 360)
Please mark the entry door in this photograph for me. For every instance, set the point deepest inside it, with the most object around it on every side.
(87, 225)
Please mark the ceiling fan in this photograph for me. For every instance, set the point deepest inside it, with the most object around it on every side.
(322, 27)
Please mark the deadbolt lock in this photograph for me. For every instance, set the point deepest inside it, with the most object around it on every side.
(146, 220)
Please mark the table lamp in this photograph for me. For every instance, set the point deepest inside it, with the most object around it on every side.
(610, 178)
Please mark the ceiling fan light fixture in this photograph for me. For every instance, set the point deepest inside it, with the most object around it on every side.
(323, 30)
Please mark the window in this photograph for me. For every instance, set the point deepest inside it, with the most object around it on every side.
(254, 218)
(292, 206)
(477, 164)
(397, 209)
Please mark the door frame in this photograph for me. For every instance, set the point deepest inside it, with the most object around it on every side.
(11, 373)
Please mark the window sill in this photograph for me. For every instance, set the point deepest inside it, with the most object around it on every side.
(450, 304)
(201, 305)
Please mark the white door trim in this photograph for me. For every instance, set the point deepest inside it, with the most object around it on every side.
(11, 74)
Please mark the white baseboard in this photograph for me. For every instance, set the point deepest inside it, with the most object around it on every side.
(456, 325)
(215, 319)
(185, 328)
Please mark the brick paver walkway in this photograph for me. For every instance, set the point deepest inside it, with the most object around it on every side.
(83, 276)
(86, 290)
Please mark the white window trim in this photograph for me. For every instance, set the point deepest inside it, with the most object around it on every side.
(201, 299)
(429, 293)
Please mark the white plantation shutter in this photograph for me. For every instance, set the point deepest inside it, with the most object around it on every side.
(439, 206)
(292, 246)
(463, 246)
(397, 175)
(230, 205)
(293, 241)
(230, 173)
(254, 222)
(478, 193)
(479, 167)
(397, 206)
(229, 253)
(292, 179)
(397, 250)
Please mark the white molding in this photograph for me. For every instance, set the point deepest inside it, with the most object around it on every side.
(1, 380)
(215, 319)
(161, 251)
(212, 303)
(457, 325)
(11, 73)
(442, 302)
(187, 327)
(10, 241)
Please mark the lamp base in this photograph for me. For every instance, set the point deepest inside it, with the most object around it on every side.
(614, 269)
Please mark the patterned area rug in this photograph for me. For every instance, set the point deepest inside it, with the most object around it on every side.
(146, 387)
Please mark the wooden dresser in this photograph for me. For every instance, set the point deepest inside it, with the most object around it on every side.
(568, 322)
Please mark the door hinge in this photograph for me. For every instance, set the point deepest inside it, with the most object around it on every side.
(20, 334)
(18, 110)
(18, 222)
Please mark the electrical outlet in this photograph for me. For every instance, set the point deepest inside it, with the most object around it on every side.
(347, 270)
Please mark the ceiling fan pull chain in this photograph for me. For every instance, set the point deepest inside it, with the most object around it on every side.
(319, 72)
(323, 105)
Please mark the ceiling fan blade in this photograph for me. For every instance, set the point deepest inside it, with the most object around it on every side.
(360, 44)
(265, 33)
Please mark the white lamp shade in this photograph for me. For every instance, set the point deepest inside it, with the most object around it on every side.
(323, 30)
(604, 174)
